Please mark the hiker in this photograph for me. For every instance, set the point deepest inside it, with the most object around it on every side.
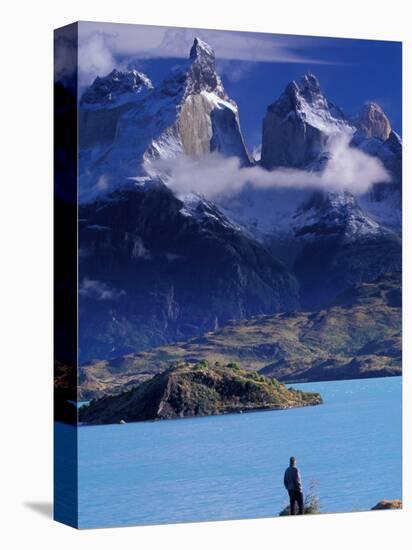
(293, 485)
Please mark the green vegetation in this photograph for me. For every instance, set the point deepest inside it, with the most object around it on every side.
(358, 336)
(196, 390)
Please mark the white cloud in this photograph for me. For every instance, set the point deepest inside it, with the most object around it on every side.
(101, 45)
(95, 58)
(98, 290)
(234, 70)
(348, 169)
(64, 58)
(102, 183)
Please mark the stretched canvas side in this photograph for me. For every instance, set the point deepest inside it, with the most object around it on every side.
(65, 276)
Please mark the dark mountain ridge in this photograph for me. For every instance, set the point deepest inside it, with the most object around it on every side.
(358, 335)
(156, 268)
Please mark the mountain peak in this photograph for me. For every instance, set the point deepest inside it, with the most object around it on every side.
(202, 71)
(373, 122)
(297, 126)
(115, 88)
(200, 49)
(309, 86)
(198, 74)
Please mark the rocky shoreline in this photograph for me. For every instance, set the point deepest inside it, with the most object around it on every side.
(190, 390)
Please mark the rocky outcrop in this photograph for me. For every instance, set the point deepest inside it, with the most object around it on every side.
(189, 113)
(384, 200)
(157, 267)
(376, 138)
(196, 390)
(201, 75)
(388, 505)
(330, 240)
(207, 119)
(297, 126)
(372, 122)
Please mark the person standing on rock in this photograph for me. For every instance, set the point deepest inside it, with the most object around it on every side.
(293, 485)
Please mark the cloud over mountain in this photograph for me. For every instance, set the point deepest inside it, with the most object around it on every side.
(103, 45)
(348, 169)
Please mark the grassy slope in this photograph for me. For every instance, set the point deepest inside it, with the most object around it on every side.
(358, 336)
(196, 390)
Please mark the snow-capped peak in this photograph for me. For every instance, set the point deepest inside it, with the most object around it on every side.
(309, 87)
(299, 125)
(115, 88)
(309, 104)
(201, 73)
(188, 114)
(194, 76)
(200, 48)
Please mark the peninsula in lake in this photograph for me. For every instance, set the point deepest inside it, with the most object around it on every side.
(196, 390)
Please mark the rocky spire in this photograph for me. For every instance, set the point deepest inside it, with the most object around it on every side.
(200, 49)
(302, 94)
(309, 88)
(297, 126)
(373, 122)
(202, 74)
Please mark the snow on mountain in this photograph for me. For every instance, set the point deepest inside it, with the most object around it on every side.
(376, 138)
(116, 88)
(189, 113)
(335, 214)
(297, 126)
(265, 213)
(230, 246)
(300, 130)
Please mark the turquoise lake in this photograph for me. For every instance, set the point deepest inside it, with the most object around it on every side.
(231, 466)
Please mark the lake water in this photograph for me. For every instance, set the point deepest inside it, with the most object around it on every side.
(231, 467)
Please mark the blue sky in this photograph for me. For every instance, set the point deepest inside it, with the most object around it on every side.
(255, 68)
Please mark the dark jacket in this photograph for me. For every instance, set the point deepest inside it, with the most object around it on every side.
(292, 479)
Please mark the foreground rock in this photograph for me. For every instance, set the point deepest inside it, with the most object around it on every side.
(388, 505)
(196, 390)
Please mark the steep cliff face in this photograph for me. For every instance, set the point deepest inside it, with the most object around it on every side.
(207, 119)
(156, 267)
(189, 113)
(102, 105)
(154, 270)
(376, 138)
(297, 126)
(372, 122)
(329, 239)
